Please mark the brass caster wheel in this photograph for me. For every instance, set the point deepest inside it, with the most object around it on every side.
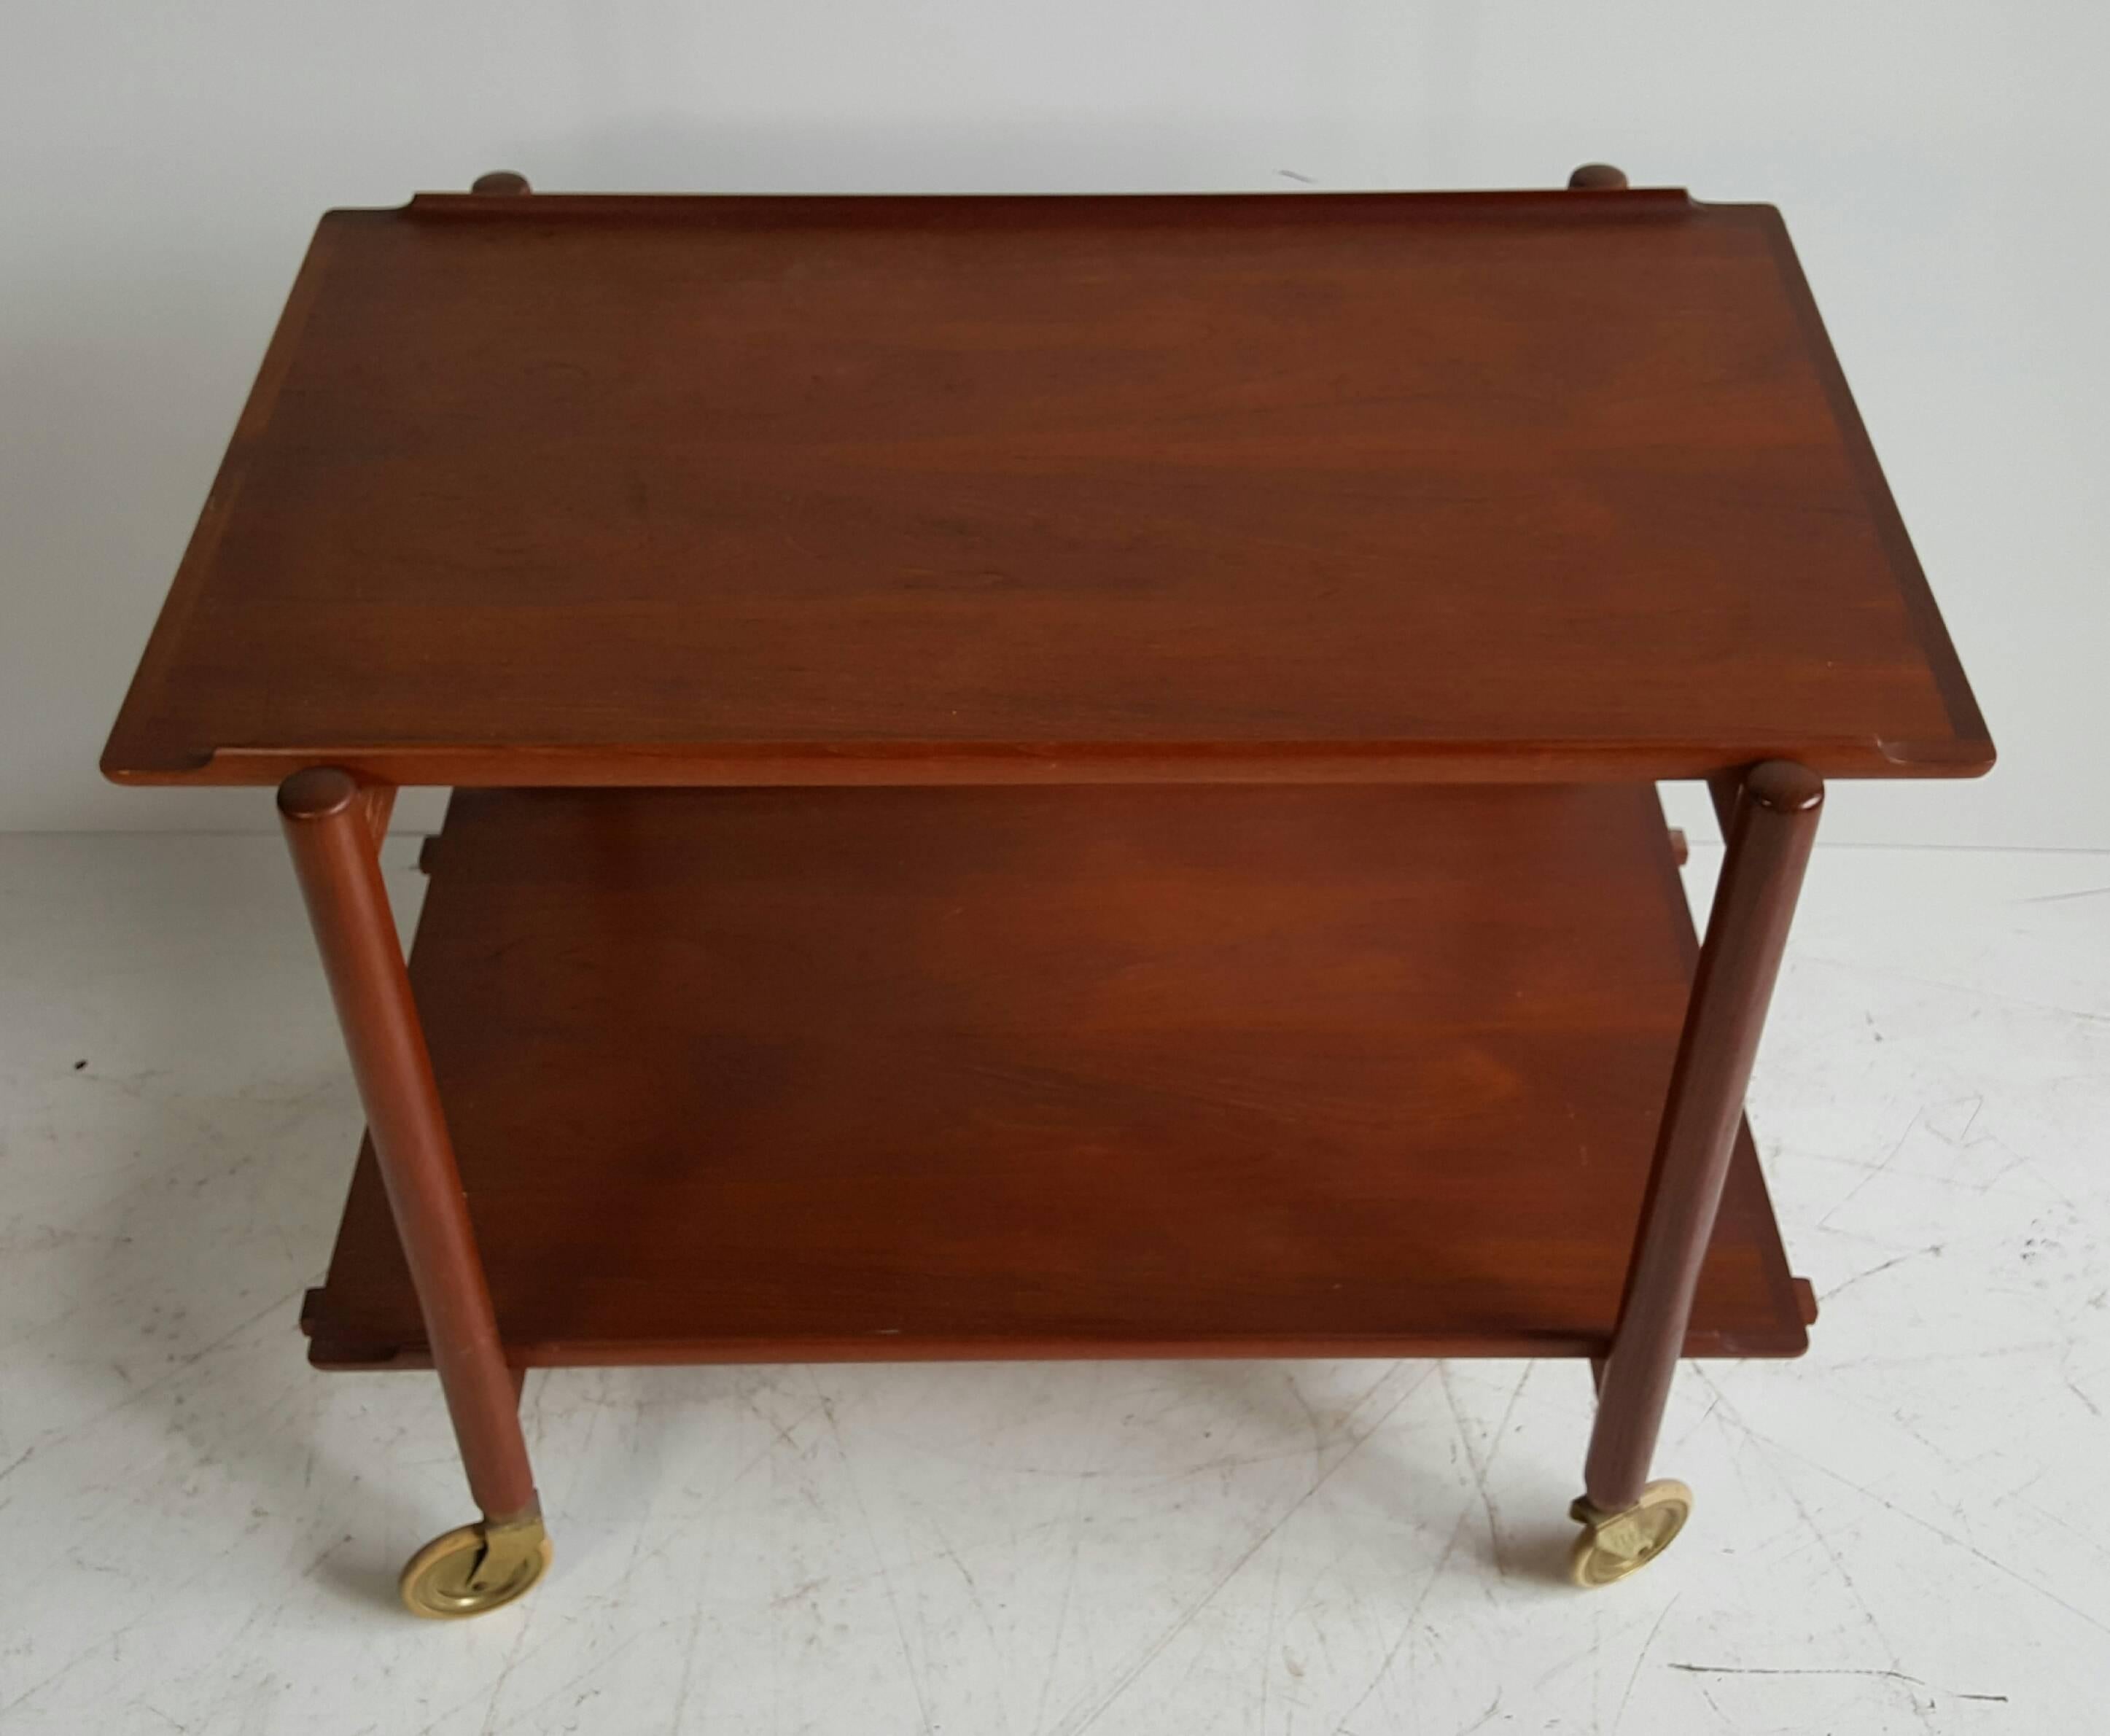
(474, 1568)
(1614, 1545)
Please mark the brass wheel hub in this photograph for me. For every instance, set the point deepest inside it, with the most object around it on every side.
(474, 1568)
(1614, 1545)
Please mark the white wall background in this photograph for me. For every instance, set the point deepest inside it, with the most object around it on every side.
(1941, 164)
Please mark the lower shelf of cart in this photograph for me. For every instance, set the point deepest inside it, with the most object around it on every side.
(821, 1075)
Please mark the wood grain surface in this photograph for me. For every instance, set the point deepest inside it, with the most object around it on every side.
(1369, 487)
(757, 1076)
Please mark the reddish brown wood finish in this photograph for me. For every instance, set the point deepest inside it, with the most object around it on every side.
(1597, 178)
(1362, 488)
(1770, 830)
(377, 803)
(813, 1075)
(328, 823)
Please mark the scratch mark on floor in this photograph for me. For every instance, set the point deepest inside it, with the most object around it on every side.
(1186, 1619)
(504, 1674)
(1634, 1675)
(688, 1671)
(1969, 992)
(1070, 1572)
(2046, 898)
(946, 1551)
(1266, 1655)
(1839, 1566)
(1406, 1626)
(1486, 1717)
(1855, 1192)
(1898, 1675)
(1925, 1524)
(872, 1541)
(594, 1668)
(1917, 1254)
(188, 1360)
(1479, 1467)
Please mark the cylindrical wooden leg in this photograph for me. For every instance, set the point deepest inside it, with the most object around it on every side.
(1770, 824)
(329, 826)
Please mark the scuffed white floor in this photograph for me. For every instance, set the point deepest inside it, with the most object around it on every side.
(1907, 1531)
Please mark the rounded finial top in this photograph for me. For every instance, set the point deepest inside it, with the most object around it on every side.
(500, 181)
(316, 792)
(1784, 786)
(1597, 178)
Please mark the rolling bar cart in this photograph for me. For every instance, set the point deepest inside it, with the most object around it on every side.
(1050, 776)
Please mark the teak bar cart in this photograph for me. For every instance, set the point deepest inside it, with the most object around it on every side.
(1050, 777)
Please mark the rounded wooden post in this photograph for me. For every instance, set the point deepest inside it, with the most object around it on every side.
(1597, 178)
(327, 824)
(1773, 823)
(500, 181)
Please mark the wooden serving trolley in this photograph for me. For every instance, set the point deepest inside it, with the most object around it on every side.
(1050, 777)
